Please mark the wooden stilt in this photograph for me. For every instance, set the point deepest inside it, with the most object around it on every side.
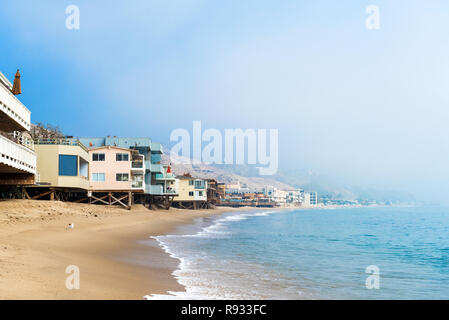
(95, 199)
(25, 194)
(81, 200)
(116, 200)
(40, 195)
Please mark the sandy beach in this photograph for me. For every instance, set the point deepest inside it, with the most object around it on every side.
(36, 248)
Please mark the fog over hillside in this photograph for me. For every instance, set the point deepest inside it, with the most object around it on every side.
(285, 179)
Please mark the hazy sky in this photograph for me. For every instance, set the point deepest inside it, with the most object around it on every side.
(365, 106)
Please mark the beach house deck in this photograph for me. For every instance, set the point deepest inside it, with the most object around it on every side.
(17, 156)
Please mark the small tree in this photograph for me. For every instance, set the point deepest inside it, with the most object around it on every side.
(42, 131)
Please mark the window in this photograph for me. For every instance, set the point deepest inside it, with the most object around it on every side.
(200, 184)
(190, 193)
(98, 177)
(200, 193)
(122, 177)
(156, 158)
(121, 157)
(190, 182)
(68, 165)
(98, 157)
(84, 168)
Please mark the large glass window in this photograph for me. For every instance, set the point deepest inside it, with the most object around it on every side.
(98, 157)
(122, 177)
(98, 177)
(190, 193)
(156, 158)
(68, 165)
(121, 157)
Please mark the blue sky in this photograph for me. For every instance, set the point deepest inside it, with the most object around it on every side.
(366, 107)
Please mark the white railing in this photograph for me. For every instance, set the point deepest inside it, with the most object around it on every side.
(154, 189)
(11, 106)
(137, 185)
(17, 156)
(61, 141)
(19, 138)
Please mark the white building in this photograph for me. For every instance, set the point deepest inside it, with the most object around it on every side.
(313, 199)
(275, 195)
(17, 156)
(239, 188)
(310, 199)
(295, 197)
(306, 202)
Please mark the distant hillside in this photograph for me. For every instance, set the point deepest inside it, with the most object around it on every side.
(290, 179)
(224, 174)
(331, 189)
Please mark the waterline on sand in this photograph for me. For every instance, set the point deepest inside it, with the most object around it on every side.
(208, 276)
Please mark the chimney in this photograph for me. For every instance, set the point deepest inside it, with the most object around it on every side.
(16, 88)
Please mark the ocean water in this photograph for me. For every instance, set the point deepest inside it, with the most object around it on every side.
(314, 254)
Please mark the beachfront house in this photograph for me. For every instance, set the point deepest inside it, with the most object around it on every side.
(156, 187)
(116, 175)
(221, 190)
(62, 168)
(192, 192)
(166, 181)
(213, 195)
(17, 156)
(116, 169)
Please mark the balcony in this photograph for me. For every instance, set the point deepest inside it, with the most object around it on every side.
(137, 166)
(137, 185)
(159, 190)
(137, 181)
(156, 147)
(154, 189)
(16, 158)
(157, 168)
(165, 176)
(14, 116)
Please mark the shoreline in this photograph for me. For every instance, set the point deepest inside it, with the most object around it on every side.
(112, 247)
(195, 288)
(116, 250)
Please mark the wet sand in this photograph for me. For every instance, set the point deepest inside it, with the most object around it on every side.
(36, 248)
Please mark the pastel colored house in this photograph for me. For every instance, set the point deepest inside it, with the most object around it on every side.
(157, 185)
(151, 152)
(116, 169)
(192, 192)
(62, 163)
